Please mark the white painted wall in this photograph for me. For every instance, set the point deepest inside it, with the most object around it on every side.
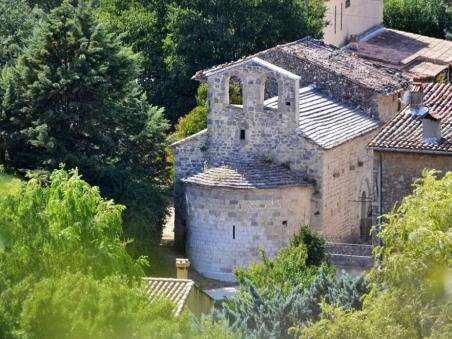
(356, 19)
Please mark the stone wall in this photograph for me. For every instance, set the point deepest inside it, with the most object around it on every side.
(398, 171)
(347, 173)
(228, 226)
(268, 133)
(344, 21)
(190, 155)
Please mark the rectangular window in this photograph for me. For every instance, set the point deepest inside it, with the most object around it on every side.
(341, 14)
(347, 3)
(233, 232)
(242, 134)
(284, 223)
(335, 17)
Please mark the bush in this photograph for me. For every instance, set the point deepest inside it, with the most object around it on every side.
(270, 314)
(314, 243)
(295, 266)
(285, 272)
(409, 295)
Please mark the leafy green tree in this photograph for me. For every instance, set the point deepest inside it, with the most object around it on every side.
(285, 272)
(204, 33)
(63, 225)
(410, 293)
(79, 306)
(179, 37)
(51, 228)
(141, 26)
(196, 120)
(72, 98)
(314, 243)
(65, 272)
(426, 17)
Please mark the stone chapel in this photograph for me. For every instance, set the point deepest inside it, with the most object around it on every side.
(293, 152)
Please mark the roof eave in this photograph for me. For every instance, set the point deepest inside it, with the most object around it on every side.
(406, 150)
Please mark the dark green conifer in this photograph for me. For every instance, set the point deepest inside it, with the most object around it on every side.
(72, 97)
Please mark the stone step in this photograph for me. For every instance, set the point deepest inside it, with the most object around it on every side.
(344, 260)
(349, 249)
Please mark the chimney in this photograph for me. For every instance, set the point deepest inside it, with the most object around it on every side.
(431, 129)
(182, 266)
(416, 94)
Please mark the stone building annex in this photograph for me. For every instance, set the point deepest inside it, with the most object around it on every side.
(294, 152)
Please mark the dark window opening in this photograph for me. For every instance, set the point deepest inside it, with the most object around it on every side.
(233, 232)
(341, 15)
(242, 134)
(335, 18)
(287, 103)
(347, 3)
(284, 223)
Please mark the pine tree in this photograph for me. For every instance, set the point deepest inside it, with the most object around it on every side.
(73, 98)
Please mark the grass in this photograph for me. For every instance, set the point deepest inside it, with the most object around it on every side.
(9, 184)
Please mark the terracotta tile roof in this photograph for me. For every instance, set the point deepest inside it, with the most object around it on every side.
(404, 131)
(414, 54)
(175, 290)
(247, 175)
(330, 58)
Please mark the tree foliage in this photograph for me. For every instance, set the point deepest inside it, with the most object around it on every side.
(426, 17)
(410, 293)
(178, 37)
(16, 25)
(196, 120)
(52, 228)
(257, 313)
(79, 306)
(59, 226)
(65, 271)
(72, 98)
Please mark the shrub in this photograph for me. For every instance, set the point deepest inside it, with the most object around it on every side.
(257, 313)
(295, 266)
(409, 295)
(285, 272)
(314, 243)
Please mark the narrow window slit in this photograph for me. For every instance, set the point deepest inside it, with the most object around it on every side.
(242, 134)
(233, 232)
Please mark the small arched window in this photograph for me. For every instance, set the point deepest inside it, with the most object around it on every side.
(271, 92)
(235, 91)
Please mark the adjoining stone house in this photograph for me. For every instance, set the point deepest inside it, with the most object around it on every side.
(418, 138)
(346, 18)
(417, 56)
(295, 152)
(357, 25)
